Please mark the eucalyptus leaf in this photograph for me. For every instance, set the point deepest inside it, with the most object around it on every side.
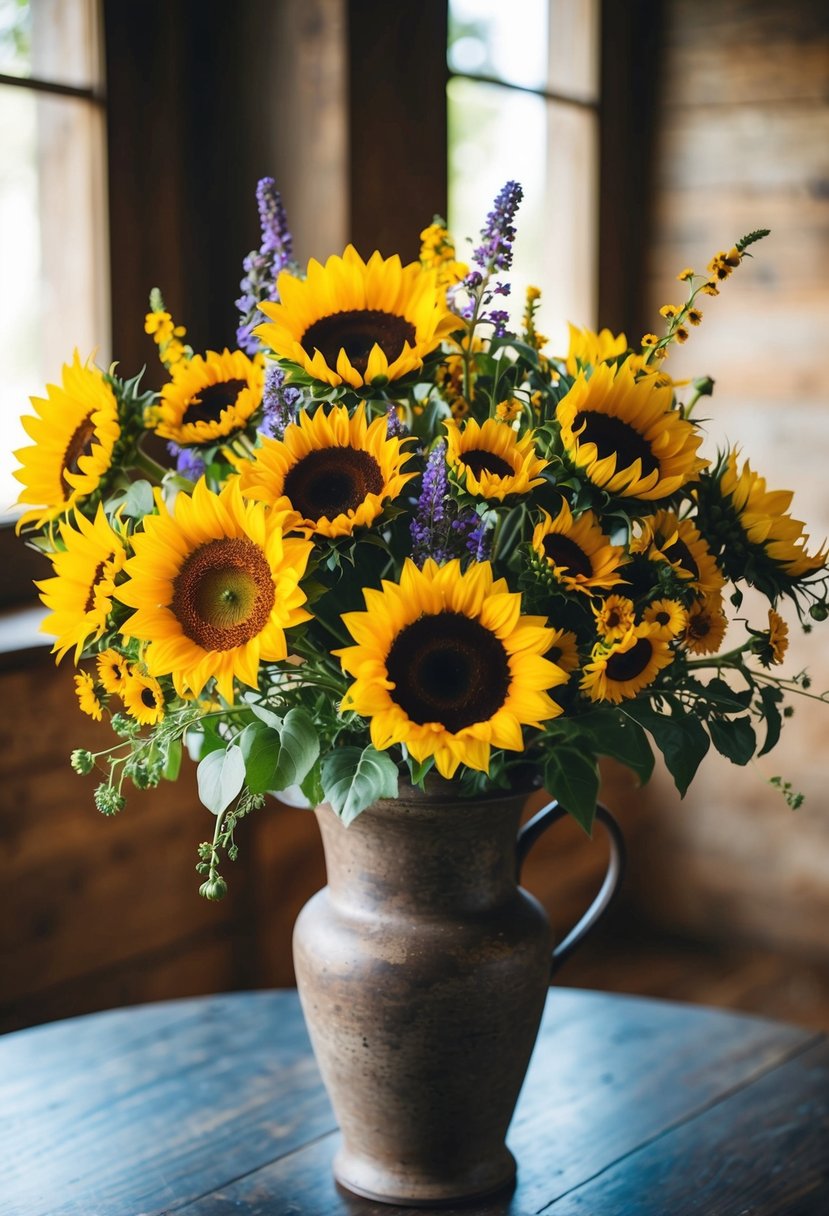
(353, 779)
(139, 500)
(260, 746)
(220, 776)
(172, 760)
(299, 748)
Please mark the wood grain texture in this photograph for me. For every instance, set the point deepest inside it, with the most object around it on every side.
(214, 1106)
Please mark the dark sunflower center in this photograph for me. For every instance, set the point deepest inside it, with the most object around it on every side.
(356, 332)
(481, 461)
(678, 554)
(224, 593)
(80, 444)
(631, 663)
(332, 481)
(615, 436)
(567, 555)
(207, 406)
(448, 669)
(90, 599)
(662, 617)
(148, 698)
(700, 626)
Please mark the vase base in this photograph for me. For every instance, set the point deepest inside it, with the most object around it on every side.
(403, 1188)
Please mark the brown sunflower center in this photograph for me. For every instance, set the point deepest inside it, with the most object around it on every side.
(148, 698)
(80, 444)
(613, 436)
(90, 599)
(678, 554)
(332, 481)
(567, 555)
(207, 406)
(479, 460)
(224, 593)
(449, 669)
(662, 617)
(700, 626)
(629, 664)
(356, 331)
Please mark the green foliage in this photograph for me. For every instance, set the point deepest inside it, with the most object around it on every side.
(572, 777)
(353, 779)
(221, 775)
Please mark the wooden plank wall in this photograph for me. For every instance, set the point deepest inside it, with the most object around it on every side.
(743, 143)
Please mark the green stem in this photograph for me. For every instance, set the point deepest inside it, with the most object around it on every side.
(145, 464)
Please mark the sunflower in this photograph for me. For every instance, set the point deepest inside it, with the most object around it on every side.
(614, 617)
(491, 461)
(112, 670)
(332, 472)
(579, 554)
(751, 532)
(87, 695)
(75, 428)
(624, 435)
(80, 594)
(215, 585)
(564, 650)
(618, 672)
(209, 398)
(778, 638)
(679, 542)
(445, 664)
(143, 697)
(668, 615)
(706, 626)
(357, 322)
(587, 349)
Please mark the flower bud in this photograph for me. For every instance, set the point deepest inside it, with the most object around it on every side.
(214, 888)
(82, 761)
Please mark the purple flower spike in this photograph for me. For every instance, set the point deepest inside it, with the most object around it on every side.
(498, 234)
(188, 462)
(280, 402)
(263, 265)
(440, 530)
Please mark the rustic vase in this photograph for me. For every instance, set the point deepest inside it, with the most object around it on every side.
(422, 969)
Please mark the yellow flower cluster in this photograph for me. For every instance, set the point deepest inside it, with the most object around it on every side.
(437, 252)
(168, 338)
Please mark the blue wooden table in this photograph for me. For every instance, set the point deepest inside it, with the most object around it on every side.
(214, 1106)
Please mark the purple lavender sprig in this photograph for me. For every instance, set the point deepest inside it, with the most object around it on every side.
(440, 529)
(472, 297)
(280, 402)
(189, 463)
(263, 265)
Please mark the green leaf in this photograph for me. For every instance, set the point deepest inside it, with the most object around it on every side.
(354, 779)
(733, 738)
(619, 737)
(419, 768)
(770, 699)
(260, 747)
(172, 760)
(573, 779)
(266, 715)
(299, 749)
(221, 776)
(203, 737)
(726, 699)
(139, 500)
(679, 736)
(312, 786)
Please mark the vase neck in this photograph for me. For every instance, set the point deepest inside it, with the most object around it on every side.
(415, 855)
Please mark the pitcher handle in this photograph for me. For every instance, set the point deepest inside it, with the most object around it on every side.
(527, 836)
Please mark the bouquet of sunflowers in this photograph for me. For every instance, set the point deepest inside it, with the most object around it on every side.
(400, 537)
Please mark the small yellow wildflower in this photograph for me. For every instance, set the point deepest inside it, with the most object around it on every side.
(167, 336)
(459, 408)
(685, 275)
(437, 252)
(649, 340)
(88, 696)
(614, 617)
(681, 333)
(668, 311)
(537, 399)
(710, 288)
(695, 316)
(508, 410)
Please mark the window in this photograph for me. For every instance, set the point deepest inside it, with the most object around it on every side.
(523, 100)
(53, 232)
